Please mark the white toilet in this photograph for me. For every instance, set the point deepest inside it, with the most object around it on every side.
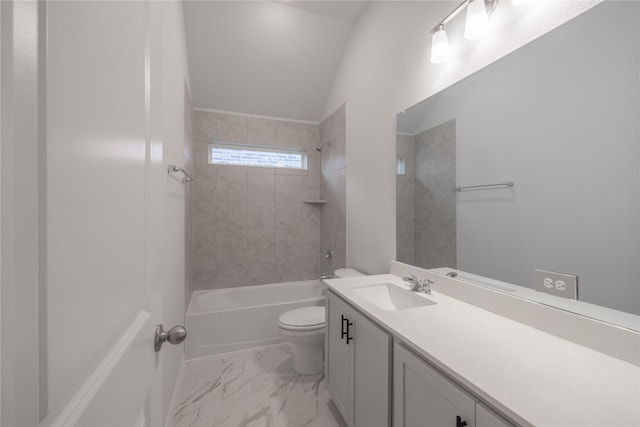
(304, 328)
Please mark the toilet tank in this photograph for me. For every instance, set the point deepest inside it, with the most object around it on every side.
(342, 273)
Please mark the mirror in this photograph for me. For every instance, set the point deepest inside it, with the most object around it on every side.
(558, 118)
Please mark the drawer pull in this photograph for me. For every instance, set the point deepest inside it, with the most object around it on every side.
(348, 327)
(343, 331)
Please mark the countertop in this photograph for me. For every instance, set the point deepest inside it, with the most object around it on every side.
(531, 376)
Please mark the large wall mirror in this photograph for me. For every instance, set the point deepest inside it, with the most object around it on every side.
(559, 119)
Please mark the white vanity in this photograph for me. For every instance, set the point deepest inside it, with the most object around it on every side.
(399, 358)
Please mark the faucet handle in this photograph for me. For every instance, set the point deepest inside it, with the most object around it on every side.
(411, 278)
(425, 285)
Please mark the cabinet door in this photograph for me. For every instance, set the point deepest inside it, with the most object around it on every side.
(371, 366)
(425, 398)
(337, 361)
(485, 417)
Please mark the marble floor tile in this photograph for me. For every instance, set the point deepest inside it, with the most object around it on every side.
(252, 388)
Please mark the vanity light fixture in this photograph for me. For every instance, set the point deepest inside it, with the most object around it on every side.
(439, 45)
(477, 20)
(476, 25)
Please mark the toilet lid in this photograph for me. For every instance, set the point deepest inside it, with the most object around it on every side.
(303, 317)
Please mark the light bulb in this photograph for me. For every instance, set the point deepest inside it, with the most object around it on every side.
(477, 20)
(439, 46)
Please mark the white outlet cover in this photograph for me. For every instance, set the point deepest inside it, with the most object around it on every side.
(554, 283)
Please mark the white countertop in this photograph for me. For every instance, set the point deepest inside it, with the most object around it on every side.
(531, 376)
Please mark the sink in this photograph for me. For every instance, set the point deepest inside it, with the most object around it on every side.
(390, 298)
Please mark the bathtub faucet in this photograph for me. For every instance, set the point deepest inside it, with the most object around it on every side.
(327, 276)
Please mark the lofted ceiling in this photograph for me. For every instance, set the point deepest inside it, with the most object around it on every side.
(268, 58)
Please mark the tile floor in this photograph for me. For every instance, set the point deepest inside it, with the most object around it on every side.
(252, 388)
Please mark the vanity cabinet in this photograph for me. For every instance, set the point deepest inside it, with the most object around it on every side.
(424, 397)
(357, 365)
(485, 417)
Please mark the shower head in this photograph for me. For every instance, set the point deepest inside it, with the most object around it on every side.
(328, 143)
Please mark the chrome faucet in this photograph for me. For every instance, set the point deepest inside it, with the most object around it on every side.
(418, 285)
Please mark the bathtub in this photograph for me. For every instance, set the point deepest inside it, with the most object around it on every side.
(233, 319)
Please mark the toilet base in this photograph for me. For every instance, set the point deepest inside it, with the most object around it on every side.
(308, 359)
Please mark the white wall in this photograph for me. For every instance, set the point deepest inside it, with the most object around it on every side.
(386, 69)
(567, 133)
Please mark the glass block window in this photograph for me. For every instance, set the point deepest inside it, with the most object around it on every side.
(256, 155)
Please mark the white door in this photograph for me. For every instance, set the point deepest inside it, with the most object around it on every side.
(109, 220)
(370, 394)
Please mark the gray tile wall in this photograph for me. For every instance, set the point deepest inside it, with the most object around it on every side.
(251, 225)
(188, 214)
(333, 214)
(434, 197)
(404, 200)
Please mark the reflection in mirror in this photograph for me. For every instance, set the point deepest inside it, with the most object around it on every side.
(559, 118)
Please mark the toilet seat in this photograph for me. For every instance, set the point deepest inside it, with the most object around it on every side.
(303, 319)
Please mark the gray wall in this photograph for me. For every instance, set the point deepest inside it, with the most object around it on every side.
(434, 198)
(251, 225)
(405, 201)
(425, 200)
(333, 174)
(562, 122)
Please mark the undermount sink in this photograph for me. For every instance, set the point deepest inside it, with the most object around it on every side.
(390, 298)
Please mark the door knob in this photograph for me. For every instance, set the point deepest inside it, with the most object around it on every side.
(175, 335)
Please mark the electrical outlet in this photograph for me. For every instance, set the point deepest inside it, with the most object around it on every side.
(559, 284)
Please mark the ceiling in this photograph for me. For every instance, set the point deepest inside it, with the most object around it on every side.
(268, 58)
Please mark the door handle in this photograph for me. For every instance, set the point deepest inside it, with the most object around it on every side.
(348, 327)
(343, 332)
(175, 335)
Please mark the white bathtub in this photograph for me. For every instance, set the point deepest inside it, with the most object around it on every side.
(233, 319)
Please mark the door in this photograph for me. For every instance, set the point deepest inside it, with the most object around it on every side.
(106, 219)
(423, 397)
(371, 366)
(337, 354)
(485, 417)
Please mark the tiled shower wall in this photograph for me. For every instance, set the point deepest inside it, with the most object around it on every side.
(434, 197)
(426, 200)
(404, 200)
(333, 214)
(188, 214)
(251, 225)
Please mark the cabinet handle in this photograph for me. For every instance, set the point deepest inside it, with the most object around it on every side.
(459, 422)
(343, 332)
(348, 337)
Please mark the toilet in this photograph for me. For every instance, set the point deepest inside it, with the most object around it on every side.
(304, 328)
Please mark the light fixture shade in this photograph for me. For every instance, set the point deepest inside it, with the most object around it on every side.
(521, 2)
(477, 20)
(439, 46)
